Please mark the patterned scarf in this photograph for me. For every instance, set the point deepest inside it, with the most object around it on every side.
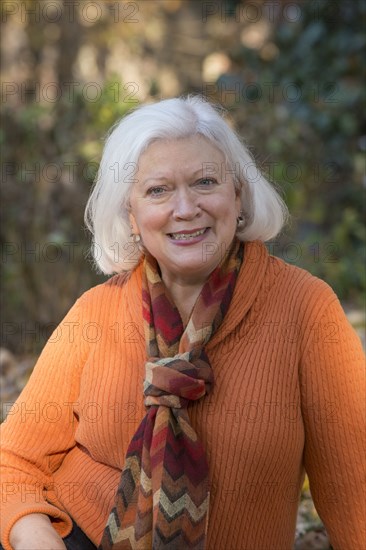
(162, 500)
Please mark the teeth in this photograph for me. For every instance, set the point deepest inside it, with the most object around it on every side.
(186, 236)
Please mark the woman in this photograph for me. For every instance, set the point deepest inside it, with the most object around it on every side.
(209, 373)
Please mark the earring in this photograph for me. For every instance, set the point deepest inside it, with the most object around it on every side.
(240, 221)
(135, 236)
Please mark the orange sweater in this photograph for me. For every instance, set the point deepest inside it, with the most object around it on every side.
(289, 396)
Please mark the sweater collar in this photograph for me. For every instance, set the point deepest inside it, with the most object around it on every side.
(247, 286)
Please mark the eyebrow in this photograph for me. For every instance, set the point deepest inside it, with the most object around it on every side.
(154, 178)
(164, 178)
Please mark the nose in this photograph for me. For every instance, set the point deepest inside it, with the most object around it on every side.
(186, 205)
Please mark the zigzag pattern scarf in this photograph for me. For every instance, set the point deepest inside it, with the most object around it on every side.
(162, 500)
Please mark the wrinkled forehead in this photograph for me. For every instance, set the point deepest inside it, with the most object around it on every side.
(191, 154)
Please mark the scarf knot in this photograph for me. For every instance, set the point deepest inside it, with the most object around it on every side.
(175, 381)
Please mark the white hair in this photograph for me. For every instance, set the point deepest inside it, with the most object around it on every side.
(106, 213)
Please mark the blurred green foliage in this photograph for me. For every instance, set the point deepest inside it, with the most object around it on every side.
(301, 107)
(296, 99)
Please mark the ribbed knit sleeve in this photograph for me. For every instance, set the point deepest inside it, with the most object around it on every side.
(333, 406)
(39, 430)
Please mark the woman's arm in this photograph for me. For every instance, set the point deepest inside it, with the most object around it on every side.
(39, 431)
(35, 532)
(333, 407)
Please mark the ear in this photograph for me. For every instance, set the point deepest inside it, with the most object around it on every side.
(133, 223)
(238, 203)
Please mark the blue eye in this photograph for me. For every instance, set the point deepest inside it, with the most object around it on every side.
(156, 191)
(206, 182)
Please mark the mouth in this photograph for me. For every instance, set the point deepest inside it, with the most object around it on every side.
(187, 235)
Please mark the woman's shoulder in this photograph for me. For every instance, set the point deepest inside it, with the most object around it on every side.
(299, 286)
(282, 277)
(119, 288)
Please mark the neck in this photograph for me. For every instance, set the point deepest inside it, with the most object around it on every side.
(184, 295)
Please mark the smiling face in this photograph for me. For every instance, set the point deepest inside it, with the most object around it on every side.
(184, 206)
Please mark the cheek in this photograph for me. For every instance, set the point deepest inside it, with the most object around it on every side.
(150, 220)
(227, 213)
(227, 222)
